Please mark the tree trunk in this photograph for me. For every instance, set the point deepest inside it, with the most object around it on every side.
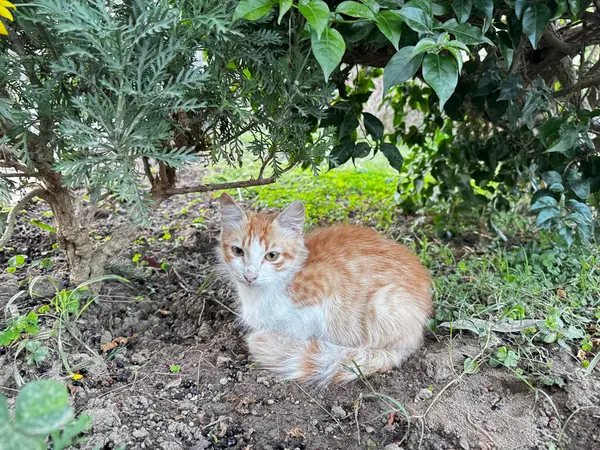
(87, 259)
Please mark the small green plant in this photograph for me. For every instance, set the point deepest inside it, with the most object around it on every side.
(16, 262)
(17, 326)
(42, 415)
(175, 368)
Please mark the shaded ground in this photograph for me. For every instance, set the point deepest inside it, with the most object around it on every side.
(182, 316)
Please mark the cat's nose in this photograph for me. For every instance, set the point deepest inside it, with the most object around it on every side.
(250, 277)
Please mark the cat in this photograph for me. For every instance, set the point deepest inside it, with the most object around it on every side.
(318, 306)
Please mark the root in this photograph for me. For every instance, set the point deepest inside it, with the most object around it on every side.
(12, 215)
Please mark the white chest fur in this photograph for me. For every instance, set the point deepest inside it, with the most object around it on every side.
(269, 308)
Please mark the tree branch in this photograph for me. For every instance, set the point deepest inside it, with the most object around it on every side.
(219, 186)
(577, 87)
(148, 172)
(18, 175)
(12, 215)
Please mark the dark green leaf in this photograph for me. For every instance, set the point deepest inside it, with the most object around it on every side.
(546, 216)
(390, 25)
(348, 126)
(506, 48)
(341, 153)
(487, 8)
(582, 209)
(400, 68)
(465, 32)
(542, 203)
(565, 143)
(355, 9)
(71, 431)
(393, 155)
(462, 8)
(253, 9)
(441, 73)
(416, 19)
(284, 7)
(42, 406)
(574, 6)
(328, 50)
(581, 188)
(561, 7)
(520, 6)
(550, 128)
(373, 125)
(567, 234)
(361, 150)
(535, 20)
(316, 13)
(511, 88)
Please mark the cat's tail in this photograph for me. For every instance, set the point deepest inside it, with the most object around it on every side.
(319, 362)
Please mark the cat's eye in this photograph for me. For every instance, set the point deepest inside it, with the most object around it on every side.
(237, 251)
(271, 256)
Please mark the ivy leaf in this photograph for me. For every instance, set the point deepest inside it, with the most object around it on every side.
(355, 9)
(520, 6)
(487, 8)
(535, 20)
(253, 9)
(393, 155)
(284, 7)
(316, 13)
(462, 8)
(441, 73)
(329, 50)
(423, 46)
(400, 68)
(467, 33)
(416, 19)
(373, 125)
(390, 25)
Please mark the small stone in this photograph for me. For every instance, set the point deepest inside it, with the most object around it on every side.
(263, 380)
(140, 433)
(338, 412)
(223, 381)
(329, 429)
(239, 376)
(223, 361)
(463, 443)
(424, 394)
(369, 430)
(205, 332)
(270, 402)
(392, 446)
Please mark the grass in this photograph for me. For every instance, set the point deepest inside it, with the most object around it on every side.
(527, 293)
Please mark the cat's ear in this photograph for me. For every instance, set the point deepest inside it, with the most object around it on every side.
(232, 216)
(292, 218)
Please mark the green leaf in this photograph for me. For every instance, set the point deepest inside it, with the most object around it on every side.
(565, 143)
(400, 68)
(43, 225)
(467, 33)
(425, 5)
(441, 73)
(355, 9)
(462, 8)
(316, 13)
(487, 8)
(581, 188)
(42, 407)
(535, 20)
(423, 46)
(552, 177)
(253, 9)
(65, 439)
(348, 125)
(4, 417)
(582, 209)
(511, 87)
(520, 6)
(567, 234)
(340, 154)
(373, 125)
(46, 263)
(284, 7)
(372, 4)
(470, 366)
(361, 150)
(542, 203)
(17, 261)
(393, 155)
(328, 50)
(416, 19)
(390, 25)
(575, 7)
(544, 219)
(561, 7)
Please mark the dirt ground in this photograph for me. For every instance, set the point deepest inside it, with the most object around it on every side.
(183, 316)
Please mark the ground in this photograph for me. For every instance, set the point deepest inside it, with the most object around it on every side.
(165, 365)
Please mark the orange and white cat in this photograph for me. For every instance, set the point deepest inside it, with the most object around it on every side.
(316, 305)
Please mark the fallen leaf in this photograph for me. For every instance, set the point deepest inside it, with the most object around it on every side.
(561, 293)
(164, 312)
(296, 432)
(115, 343)
(391, 418)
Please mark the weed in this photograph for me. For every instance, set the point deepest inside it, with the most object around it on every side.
(41, 414)
(175, 368)
(16, 262)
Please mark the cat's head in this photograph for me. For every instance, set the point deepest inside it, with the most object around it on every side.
(261, 249)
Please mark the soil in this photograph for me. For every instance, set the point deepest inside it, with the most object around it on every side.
(184, 316)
